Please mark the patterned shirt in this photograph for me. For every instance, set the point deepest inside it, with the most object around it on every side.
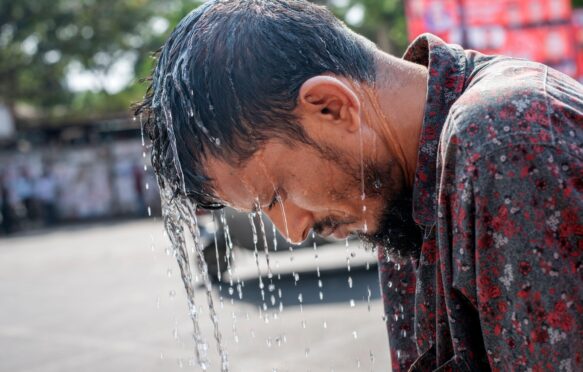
(498, 284)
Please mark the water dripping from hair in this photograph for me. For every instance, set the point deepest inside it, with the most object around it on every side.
(176, 213)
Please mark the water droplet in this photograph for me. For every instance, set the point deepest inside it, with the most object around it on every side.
(352, 303)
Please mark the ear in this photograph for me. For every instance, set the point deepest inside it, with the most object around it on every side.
(330, 100)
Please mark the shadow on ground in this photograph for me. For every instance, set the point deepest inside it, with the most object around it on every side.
(335, 288)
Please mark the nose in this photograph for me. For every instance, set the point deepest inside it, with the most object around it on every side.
(293, 222)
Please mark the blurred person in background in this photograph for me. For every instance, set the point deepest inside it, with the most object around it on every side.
(45, 192)
(24, 196)
(138, 177)
(19, 197)
(5, 212)
(463, 169)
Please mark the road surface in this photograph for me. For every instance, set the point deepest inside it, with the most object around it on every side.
(108, 297)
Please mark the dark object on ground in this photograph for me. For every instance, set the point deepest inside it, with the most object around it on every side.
(241, 233)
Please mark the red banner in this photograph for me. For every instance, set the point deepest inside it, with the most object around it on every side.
(539, 30)
(578, 26)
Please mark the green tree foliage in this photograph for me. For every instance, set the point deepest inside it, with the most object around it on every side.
(383, 21)
(41, 40)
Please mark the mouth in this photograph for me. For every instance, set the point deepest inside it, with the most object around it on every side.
(337, 229)
(336, 232)
(328, 232)
(340, 234)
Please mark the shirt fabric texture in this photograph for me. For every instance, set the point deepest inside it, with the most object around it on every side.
(498, 189)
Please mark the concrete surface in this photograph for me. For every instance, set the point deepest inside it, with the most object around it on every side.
(107, 297)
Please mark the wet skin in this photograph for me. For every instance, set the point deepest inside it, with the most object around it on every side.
(302, 188)
(299, 190)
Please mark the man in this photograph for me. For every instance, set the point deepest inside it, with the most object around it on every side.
(465, 170)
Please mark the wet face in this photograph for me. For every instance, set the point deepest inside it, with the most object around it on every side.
(300, 190)
(346, 184)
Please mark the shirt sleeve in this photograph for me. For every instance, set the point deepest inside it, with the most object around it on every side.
(528, 227)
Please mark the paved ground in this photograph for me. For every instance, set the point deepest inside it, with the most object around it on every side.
(107, 297)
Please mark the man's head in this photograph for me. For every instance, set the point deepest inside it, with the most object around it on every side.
(259, 104)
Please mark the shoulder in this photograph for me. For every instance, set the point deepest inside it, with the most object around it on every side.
(509, 101)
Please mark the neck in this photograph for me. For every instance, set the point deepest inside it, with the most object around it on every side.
(397, 106)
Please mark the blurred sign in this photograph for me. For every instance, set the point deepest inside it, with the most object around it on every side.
(539, 30)
(578, 25)
(6, 123)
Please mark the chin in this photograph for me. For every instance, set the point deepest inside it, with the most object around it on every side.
(396, 231)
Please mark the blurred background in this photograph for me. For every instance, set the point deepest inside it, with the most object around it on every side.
(69, 69)
(86, 278)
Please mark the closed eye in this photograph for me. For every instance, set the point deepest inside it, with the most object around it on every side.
(273, 201)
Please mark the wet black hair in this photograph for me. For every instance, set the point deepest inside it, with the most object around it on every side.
(228, 78)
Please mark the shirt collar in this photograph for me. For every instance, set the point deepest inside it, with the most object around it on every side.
(446, 65)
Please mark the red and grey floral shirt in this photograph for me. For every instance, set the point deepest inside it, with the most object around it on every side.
(498, 193)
